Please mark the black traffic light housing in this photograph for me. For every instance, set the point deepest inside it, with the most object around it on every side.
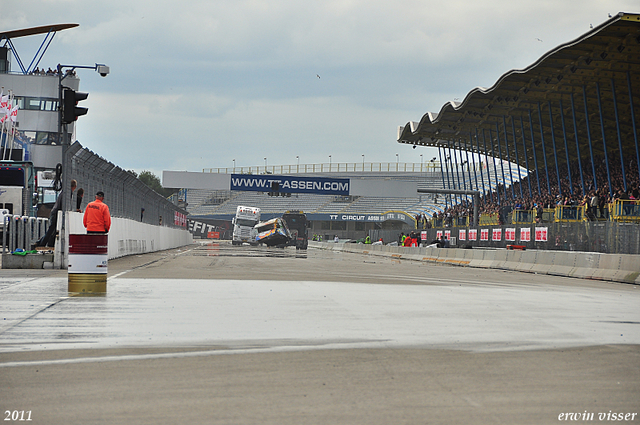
(275, 187)
(70, 110)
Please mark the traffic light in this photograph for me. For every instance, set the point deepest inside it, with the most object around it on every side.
(70, 110)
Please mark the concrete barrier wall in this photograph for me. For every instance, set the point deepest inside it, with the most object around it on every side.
(128, 237)
(585, 265)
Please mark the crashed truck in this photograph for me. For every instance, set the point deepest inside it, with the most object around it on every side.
(273, 232)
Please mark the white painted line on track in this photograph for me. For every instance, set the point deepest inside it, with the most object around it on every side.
(189, 354)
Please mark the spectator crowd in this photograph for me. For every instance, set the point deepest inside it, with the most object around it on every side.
(525, 195)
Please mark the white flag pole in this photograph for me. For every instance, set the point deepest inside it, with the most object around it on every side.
(11, 125)
(3, 110)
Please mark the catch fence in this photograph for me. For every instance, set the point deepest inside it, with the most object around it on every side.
(593, 236)
(125, 194)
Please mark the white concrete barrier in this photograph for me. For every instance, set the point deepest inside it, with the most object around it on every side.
(127, 237)
(589, 265)
(586, 265)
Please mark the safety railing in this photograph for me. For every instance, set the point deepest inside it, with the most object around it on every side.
(437, 222)
(21, 232)
(489, 219)
(334, 167)
(523, 217)
(569, 214)
(461, 221)
(549, 215)
(625, 210)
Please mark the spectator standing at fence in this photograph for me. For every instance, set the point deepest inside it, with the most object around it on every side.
(49, 238)
(79, 197)
(96, 216)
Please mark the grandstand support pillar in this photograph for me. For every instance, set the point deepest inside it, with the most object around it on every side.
(506, 147)
(575, 132)
(535, 155)
(455, 156)
(473, 159)
(504, 181)
(469, 170)
(566, 146)
(461, 167)
(555, 150)
(486, 160)
(446, 203)
(468, 164)
(615, 110)
(495, 169)
(633, 122)
(544, 151)
(526, 157)
(586, 119)
(484, 191)
(515, 146)
(453, 180)
(446, 165)
(604, 139)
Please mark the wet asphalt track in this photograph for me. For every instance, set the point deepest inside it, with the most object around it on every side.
(240, 333)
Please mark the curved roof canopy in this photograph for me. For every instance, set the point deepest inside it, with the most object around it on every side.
(36, 30)
(580, 92)
(49, 31)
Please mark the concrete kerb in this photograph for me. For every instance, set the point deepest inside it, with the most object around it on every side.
(588, 265)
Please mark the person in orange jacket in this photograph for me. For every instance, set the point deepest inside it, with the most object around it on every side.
(96, 216)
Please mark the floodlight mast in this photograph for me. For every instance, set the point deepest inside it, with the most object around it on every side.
(63, 139)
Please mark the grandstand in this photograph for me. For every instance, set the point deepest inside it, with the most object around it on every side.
(332, 212)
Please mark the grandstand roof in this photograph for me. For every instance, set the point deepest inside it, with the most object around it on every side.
(35, 30)
(587, 73)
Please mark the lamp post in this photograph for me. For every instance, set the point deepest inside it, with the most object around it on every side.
(64, 140)
(362, 162)
(234, 165)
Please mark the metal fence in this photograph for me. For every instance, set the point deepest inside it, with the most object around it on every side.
(597, 236)
(125, 195)
(21, 232)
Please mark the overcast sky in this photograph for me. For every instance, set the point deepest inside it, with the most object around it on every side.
(200, 83)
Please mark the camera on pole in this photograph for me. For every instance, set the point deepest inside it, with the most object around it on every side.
(70, 110)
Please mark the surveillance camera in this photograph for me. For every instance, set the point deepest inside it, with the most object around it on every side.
(103, 70)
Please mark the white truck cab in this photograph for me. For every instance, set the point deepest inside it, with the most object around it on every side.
(243, 225)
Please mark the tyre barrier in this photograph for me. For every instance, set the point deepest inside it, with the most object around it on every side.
(585, 265)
